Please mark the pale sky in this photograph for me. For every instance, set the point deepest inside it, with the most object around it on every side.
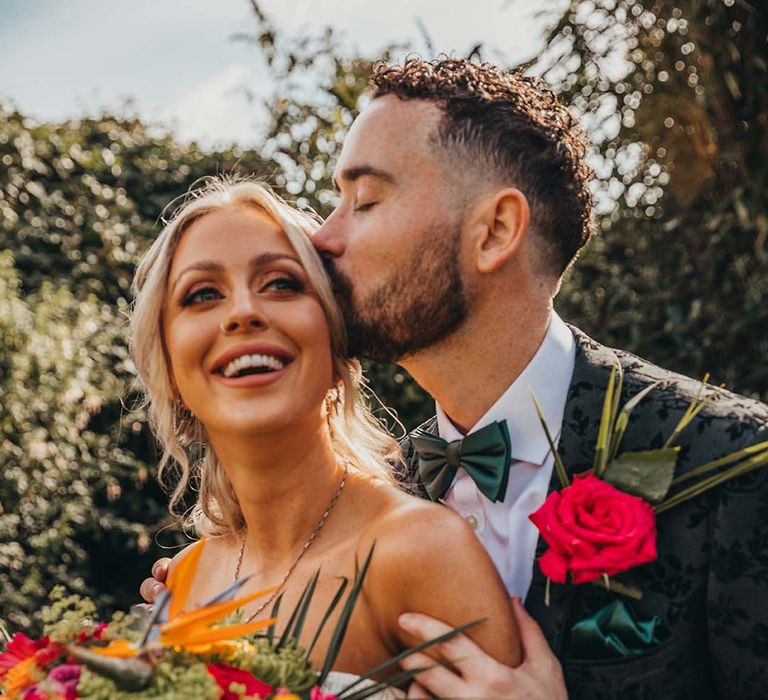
(174, 61)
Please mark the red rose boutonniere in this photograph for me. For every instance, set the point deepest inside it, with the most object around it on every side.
(604, 522)
(594, 530)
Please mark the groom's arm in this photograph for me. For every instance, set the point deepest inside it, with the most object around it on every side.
(478, 675)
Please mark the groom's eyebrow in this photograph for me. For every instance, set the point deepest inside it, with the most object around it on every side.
(352, 174)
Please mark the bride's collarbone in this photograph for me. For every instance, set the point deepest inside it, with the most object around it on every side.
(364, 645)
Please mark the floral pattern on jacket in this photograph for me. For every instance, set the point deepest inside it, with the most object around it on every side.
(709, 585)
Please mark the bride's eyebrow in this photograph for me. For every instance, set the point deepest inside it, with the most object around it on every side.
(213, 266)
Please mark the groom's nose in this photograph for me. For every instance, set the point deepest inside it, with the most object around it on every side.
(329, 238)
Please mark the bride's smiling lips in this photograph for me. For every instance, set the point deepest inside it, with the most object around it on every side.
(251, 364)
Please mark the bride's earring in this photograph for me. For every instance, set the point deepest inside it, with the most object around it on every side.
(332, 400)
(332, 404)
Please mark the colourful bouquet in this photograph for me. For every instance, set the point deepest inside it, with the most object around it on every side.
(206, 652)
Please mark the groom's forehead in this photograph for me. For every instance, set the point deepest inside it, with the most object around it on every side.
(388, 131)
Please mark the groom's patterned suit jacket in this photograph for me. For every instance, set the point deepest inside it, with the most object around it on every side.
(709, 585)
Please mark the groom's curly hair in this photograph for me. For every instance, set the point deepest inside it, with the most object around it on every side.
(514, 128)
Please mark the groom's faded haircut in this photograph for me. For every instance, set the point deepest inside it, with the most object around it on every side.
(512, 127)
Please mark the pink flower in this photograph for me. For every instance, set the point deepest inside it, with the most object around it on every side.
(61, 684)
(65, 679)
(592, 529)
(34, 693)
(317, 693)
(225, 675)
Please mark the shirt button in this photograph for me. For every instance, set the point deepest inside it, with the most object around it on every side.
(472, 520)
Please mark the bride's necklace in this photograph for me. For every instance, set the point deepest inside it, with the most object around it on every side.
(310, 540)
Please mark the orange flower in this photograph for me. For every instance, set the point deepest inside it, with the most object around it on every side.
(192, 631)
(117, 649)
(20, 676)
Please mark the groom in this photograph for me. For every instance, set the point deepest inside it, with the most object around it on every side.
(463, 200)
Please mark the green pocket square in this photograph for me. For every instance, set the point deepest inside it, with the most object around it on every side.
(614, 632)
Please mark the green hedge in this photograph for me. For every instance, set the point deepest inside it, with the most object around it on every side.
(679, 273)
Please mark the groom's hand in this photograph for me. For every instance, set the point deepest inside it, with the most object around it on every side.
(152, 587)
(477, 675)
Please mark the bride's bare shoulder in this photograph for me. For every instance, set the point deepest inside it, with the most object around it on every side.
(407, 524)
(428, 559)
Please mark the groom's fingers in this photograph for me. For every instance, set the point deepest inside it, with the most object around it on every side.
(459, 651)
(417, 691)
(436, 679)
(160, 569)
(541, 670)
(150, 588)
(534, 642)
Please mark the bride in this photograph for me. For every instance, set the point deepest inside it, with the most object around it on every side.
(239, 347)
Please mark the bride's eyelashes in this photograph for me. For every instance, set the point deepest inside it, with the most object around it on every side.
(281, 284)
(284, 283)
(365, 207)
(200, 296)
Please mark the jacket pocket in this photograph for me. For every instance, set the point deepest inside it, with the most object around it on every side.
(673, 670)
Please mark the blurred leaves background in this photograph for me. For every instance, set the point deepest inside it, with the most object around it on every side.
(674, 96)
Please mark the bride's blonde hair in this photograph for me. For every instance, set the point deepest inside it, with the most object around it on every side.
(187, 455)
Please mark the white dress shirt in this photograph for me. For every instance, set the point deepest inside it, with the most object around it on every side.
(503, 527)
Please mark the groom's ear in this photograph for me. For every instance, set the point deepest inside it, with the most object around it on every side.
(499, 224)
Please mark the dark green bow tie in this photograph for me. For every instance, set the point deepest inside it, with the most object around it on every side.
(484, 454)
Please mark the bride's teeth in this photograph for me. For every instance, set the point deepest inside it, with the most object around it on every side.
(247, 361)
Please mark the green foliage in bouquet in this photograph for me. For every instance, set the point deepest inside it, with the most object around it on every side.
(174, 653)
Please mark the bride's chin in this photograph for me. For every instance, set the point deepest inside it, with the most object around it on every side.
(261, 421)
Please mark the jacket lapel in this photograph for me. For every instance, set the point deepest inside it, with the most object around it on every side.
(581, 420)
(412, 480)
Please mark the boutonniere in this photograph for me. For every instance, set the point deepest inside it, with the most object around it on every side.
(603, 522)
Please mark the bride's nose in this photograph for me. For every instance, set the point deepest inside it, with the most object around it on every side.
(245, 314)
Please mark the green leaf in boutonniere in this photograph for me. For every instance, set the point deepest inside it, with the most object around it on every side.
(605, 431)
(562, 473)
(749, 459)
(610, 584)
(693, 410)
(622, 420)
(640, 480)
(646, 474)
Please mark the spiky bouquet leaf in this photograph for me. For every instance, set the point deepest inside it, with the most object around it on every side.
(171, 651)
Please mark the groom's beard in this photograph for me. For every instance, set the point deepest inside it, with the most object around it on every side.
(416, 307)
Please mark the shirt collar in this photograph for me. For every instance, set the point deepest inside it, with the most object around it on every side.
(548, 375)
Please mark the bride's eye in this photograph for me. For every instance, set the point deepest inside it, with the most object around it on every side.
(283, 283)
(200, 296)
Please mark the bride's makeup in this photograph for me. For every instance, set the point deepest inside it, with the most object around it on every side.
(246, 337)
